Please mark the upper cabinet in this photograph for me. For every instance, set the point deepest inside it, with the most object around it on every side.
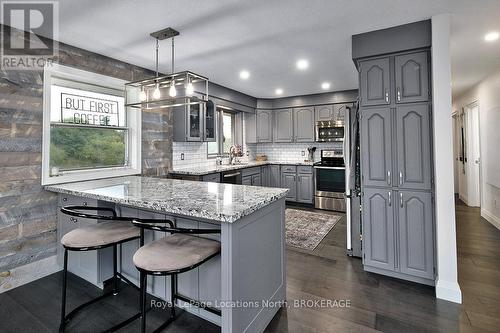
(210, 122)
(304, 124)
(324, 112)
(283, 125)
(413, 146)
(264, 125)
(376, 150)
(412, 77)
(375, 82)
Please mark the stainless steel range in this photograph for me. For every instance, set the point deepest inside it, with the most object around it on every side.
(329, 179)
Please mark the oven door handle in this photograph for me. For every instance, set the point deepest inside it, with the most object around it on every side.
(326, 167)
(231, 175)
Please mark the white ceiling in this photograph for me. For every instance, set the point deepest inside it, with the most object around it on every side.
(221, 37)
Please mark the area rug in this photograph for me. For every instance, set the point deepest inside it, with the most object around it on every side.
(305, 229)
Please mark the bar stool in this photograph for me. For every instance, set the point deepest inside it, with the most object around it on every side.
(176, 253)
(113, 231)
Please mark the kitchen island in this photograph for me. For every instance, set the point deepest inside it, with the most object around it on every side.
(247, 281)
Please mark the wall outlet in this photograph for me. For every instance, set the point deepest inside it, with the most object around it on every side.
(182, 156)
(248, 153)
(303, 153)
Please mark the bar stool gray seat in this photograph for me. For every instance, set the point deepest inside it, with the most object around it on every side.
(113, 231)
(176, 253)
(181, 252)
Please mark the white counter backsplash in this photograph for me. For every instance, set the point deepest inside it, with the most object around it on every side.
(195, 153)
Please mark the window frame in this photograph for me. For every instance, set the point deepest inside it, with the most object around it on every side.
(220, 132)
(104, 84)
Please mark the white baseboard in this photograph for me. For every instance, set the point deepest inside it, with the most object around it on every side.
(30, 272)
(449, 291)
(490, 217)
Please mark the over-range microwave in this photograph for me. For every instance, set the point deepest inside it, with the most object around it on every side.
(328, 131)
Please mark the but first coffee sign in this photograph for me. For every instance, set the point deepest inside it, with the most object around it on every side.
(86, 110)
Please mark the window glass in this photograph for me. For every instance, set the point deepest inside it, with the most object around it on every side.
(87, 130)
(227, 131)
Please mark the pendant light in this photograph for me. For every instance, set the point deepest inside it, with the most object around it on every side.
(172, 92)
(156, 92)
(161, 91)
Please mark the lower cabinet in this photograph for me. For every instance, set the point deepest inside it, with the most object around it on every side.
(274, 176)
(265, 173)
(305, 188)
(398, 233)
(288, 180)
(213, 177)
(300, 183)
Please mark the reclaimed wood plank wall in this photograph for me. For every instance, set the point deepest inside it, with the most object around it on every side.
(27, 212)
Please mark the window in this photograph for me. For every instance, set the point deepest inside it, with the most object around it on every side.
(226, 137)
(88, 133)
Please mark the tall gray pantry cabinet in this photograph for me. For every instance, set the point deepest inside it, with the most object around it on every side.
(396, 165)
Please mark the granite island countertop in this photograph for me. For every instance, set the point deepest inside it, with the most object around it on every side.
(208, 169)
(212, 201)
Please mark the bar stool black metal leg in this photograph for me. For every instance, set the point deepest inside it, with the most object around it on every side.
(115, 275)
(143, 277)
(63, 305)
(173, 292)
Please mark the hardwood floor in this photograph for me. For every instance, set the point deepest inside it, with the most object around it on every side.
(377, 303)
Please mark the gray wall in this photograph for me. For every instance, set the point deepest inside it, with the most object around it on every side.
(307, 100)
(27, 212)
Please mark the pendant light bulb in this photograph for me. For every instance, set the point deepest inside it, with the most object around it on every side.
(142, 95)
(156, 92)
(172, 91)
(189, 89)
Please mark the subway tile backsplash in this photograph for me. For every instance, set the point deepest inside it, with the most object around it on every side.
(195, 153)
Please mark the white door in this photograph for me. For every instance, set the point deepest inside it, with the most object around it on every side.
(473, 158)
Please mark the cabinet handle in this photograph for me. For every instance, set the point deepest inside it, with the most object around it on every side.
(65, 199)
(390, 200)
(85, 203)
(388, 177)
(72, 219)
(400, 177)
(399, 94)
(401, 199)
(387, 96)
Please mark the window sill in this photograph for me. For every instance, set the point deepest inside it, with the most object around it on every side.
(77, 176)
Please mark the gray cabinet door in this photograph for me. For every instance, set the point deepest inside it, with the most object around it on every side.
(416, 240)
(257, 180)
(194, 122)
(304, 124)
(288, 180)
(323, 112)
(246, 180)
(378, 228)
(264, 126)
(265, 175)
(413, 146)
(412, 77)
(374, 82)
(376, 143)
(250, 127)
(305, 188)
(213, 177)
(274, 176)
(283, 125)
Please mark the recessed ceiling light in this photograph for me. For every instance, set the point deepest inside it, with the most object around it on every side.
(244, 74)
(491, 36)
(302, 64)
(325, 85)
(278, 91)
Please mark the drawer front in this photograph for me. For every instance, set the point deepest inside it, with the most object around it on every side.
(304, 169)
(288, 168)
(71, 200)
(250, 171)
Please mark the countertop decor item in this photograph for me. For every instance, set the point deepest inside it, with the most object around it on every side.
(261, 158)
(311, 151)
(235, 152)
(166, 91)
